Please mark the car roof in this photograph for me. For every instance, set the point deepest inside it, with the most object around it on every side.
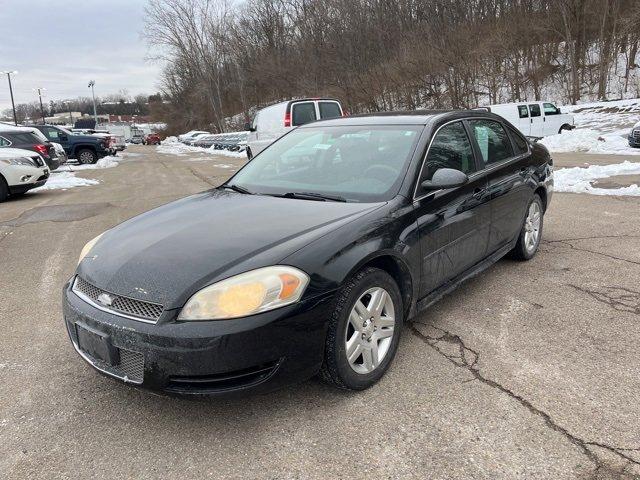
(415, 117)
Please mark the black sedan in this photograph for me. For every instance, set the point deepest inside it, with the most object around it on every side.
(310, 259)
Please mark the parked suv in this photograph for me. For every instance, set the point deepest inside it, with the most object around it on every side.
(534, 119)
(84, 148)
(20, 171)
(26, 138)
(272, 122)
(634, 136)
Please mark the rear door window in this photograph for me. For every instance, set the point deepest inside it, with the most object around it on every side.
(523, 111)
(534, 108)
(4, 142)
(302, 113)
(521, 144)
(492, 139)
(329, 110)
(24, 138)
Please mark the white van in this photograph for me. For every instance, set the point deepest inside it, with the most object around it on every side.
(272, 122)
(534, 119)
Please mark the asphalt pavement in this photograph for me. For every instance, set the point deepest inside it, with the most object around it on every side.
(530, 370)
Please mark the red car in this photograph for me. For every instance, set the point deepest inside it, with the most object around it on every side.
(152, 139)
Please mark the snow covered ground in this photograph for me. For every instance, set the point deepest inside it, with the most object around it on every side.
(172, 146)
(601, 127)
(580, 180)
(64, 177)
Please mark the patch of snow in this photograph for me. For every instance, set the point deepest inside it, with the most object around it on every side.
(588, 140)
(104, 162)
(65, 180)
(578, 179)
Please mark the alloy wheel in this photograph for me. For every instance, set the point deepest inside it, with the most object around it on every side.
(532, 227)
(370, 330)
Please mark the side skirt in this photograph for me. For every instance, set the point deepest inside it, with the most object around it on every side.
(452, 284)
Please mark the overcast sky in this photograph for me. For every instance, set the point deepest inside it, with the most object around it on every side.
(61, 45)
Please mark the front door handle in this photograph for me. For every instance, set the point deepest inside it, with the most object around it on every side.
(478, 193)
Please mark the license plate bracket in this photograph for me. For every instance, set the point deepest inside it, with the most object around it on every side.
(97, 344)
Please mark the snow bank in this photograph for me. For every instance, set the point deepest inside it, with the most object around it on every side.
(104, 162)
(589, 140)
(601, 127)
(65, 180)
(578, 179)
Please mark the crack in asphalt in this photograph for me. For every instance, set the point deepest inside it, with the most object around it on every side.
(619, 298)
(202, 177)
(582, 249)
(468, 358)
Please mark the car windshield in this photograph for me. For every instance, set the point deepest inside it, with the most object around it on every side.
(357, 163)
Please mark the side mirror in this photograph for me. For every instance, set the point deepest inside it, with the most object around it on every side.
(445, 178)
(558, 110)
(248, 127)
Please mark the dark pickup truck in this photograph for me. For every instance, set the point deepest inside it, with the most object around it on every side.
(84, 148)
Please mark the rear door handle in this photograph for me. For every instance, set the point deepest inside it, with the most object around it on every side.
(478, 193)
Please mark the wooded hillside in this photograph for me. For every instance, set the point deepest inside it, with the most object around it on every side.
(224, 59)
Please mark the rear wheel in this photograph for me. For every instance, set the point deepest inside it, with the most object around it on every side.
(531, 233)
(4, 189)
(86, 156)
(364, 331)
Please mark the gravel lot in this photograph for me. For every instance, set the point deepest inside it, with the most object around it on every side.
(527, 371)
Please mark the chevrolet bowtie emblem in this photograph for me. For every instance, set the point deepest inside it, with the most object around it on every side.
(105, 299)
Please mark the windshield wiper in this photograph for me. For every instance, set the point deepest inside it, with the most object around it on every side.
(236, 188)
(314, 196)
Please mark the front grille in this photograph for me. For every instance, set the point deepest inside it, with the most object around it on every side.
(636, 134)
(119, 304)
(131, 364)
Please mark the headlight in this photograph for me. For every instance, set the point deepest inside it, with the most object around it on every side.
(87, 248)
(18, 161)
(247, 294)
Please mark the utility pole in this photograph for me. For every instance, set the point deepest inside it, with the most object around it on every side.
(95, 115)
(68, 104)
(13, 105)
(39, 89)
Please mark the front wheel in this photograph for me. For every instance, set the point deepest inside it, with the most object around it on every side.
(86, 156)
(531, 233)
(4, 190)
(364, 331)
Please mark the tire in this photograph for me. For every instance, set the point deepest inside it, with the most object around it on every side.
(362, 372)
(525, 249)
(86, 156)
(4, 189)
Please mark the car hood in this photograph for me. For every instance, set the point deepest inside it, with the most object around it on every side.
(169, 253)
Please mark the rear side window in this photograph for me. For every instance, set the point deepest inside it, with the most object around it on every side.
(550, 109)
(329, 110)
(23, 137)
(519, 141)
(493, 141)
(450, 148)
(523, 111)
(302, 113)
(535, 109)
(4, 142)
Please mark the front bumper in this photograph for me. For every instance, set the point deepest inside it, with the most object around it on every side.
(258, 353)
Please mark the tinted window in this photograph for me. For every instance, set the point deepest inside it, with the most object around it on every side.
(329, 110)
(523, 111)
(519, 141)
(302, 113)
(4, 142)
(550, 109)
(492, 139)
(450, 148)
(359, 163)
(22, 138)
(535, 109)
